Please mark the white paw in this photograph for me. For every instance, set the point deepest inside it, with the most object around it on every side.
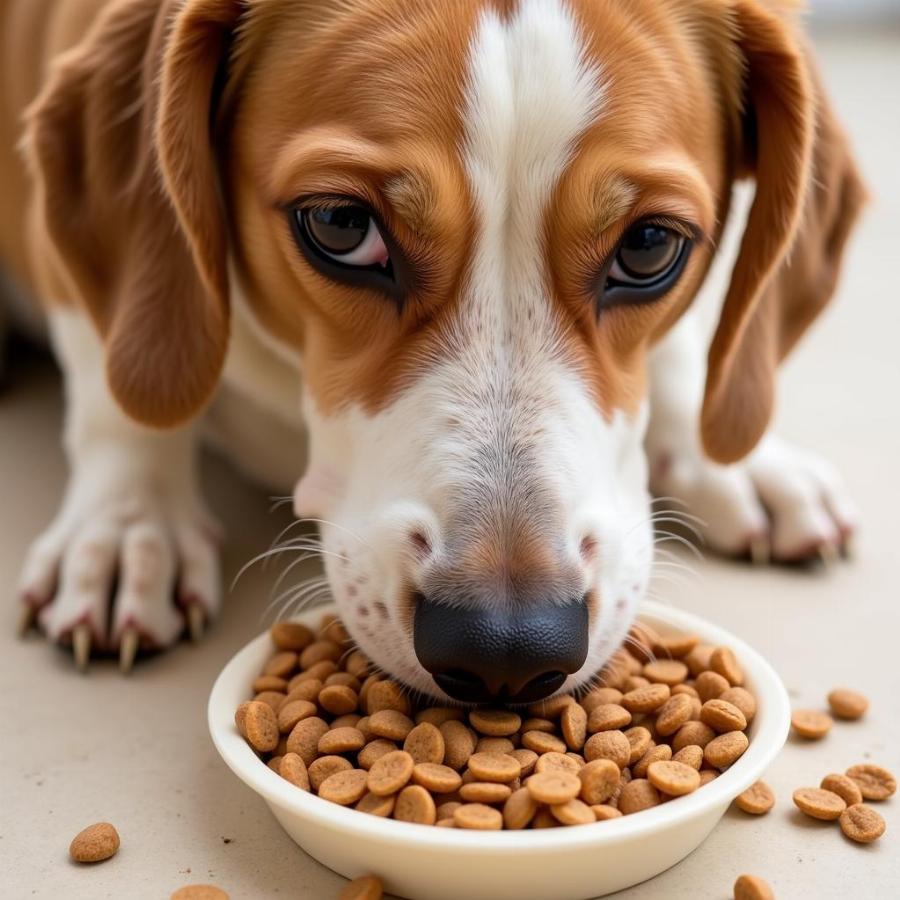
(780, 503)
(121, 569)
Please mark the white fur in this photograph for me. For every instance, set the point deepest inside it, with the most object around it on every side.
(131, 510)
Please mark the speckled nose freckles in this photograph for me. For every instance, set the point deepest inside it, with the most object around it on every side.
(490, 532)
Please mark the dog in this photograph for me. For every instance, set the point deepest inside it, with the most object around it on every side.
(436, 268)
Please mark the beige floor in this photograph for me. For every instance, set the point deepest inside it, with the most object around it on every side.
(76, 749)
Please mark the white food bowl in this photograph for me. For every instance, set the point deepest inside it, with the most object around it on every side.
(568, 863)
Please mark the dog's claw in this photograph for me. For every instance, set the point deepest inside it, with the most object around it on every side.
(27, 619)
(848, 547)
(760, 551)
(196, 620)
(128, 648)
(81, 646)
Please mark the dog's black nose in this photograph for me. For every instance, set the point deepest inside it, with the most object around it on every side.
(516, 656)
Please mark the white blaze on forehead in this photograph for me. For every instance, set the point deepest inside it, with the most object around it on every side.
(531, 93)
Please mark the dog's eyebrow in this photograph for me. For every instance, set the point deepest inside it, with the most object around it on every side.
(412, 197)
(612, 198)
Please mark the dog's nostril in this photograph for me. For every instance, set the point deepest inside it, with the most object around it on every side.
(463, 686)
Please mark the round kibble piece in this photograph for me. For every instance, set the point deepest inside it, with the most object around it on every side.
(675, 645)
(345, 787)
(646, 699)
(294, 770)
(478, 817)
(494, 745)
(599, 780)
(390, 724)
(874, 782)
(375, 805)
(723, 662)
(692, 756)
(494, 767)
(757, 800)
(374, 750)
(459, 743)
(387, 695)
(199, 892)
(95, 843)
(608, 717)
(291, 636)
(526, 758)
(673, 778)
(861, 823)
(637, 795)
(390, 773)
(495, 722)
(269, 683)
(811, 724)
(603, 812)
(281, 664)
(368, 887)
(415, 804)
(692, 734)
(541, 742)
(818, 803)
(425, 744)
(722, 716)
(666, 671)
(673, 714)
(573, 724)
(724, 750)
(338, 699)
(290, 713)
(261, 726)
(436, 778)
(742, 699)
(751, 887)
(304, 738)
(608, 745)
(573, 812)
(485, 792)
(342, 740)
(550, 761)
(710, 685)
(639, 740)
(847, 704)
(519, 809)
(844, 786)
(554, 788)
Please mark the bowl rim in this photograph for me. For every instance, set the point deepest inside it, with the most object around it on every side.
(771, 725)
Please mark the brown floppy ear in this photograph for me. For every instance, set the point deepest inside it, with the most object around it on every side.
(119, 143)
(807, 197)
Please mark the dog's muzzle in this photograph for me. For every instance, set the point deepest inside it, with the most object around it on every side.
(513, 656)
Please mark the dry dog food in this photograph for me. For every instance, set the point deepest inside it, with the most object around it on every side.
(669, 715)
(750, 887)
(199, 892)
(847, 704)
(811, 724)
(95, 843)
(861, 823)
(366, 888)
(758, 799)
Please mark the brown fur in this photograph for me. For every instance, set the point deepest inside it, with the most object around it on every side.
(147, 169)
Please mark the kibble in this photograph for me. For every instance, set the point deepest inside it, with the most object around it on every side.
(874, 782)
(751, 887)
(847, 704)
(199, 892)
(660, 727)
(861, 823)
(368, 887)
(757, 800)
(811, 724)
(819, 803)
(95, 843)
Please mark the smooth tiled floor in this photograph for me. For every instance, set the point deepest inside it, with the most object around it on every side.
(76, 749)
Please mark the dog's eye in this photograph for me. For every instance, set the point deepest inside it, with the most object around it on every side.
(647, 263)
(344, 233)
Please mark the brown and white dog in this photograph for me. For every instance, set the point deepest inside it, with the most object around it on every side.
(442, 258)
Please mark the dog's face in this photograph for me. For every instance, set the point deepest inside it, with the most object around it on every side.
(473, 226)
(469, 221)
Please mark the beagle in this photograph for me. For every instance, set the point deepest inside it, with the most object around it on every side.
(436, 268)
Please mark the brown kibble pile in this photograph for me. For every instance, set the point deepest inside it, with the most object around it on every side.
(671, 714)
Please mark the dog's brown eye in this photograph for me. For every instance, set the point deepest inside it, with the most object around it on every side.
(647, 253)
(647, 263)
(345, 233)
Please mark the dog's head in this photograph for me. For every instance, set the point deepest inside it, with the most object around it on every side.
(469, 221)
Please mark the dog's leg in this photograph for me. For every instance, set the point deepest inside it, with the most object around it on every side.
(132, 526)
(779, 503)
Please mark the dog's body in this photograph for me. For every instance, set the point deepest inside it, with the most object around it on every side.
(519, 417)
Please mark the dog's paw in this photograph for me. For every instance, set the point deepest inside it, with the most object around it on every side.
(781, 503)
(121, 574)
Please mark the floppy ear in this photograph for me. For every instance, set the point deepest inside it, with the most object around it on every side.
(119, 143)
(807, 197)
